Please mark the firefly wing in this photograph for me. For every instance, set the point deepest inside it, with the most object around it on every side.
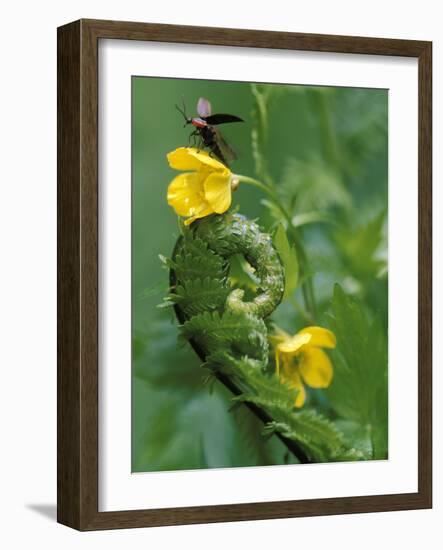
(222, 119)
(227, 152)
(204, 108)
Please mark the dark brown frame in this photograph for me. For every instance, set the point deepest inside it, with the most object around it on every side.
(77, 456)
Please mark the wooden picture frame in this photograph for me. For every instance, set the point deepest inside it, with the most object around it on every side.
(78, 274)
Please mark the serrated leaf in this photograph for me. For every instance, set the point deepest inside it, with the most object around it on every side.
(288, 257)
(359, 390)
(194, 259)
(199, 295)
(243, 333)
(321, 439)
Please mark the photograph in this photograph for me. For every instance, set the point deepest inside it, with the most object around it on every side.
(259, 274)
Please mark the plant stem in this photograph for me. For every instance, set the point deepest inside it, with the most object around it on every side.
(256, 183)
(330, 145)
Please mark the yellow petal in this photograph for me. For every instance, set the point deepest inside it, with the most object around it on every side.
(218, 191)
(301, 396)
(185, 193)
(294, 343)
(315, 367)
(277, 362)
(286, 360)
(210, 162)
(200, 212)
(183, 159)
(320, 337)
(295, 382)
(279, 335)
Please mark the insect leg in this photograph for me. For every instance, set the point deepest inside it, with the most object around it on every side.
(200, 142)
(192, 136)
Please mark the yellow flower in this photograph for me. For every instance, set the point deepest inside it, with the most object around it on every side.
(300, 360)
(205, 189)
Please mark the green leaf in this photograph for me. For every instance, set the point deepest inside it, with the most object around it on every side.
(235, 331)
(359, 247)
(199, 295)
(319, 437)
(311, 217)
(359, 391)
(263, 389)
(288, 257)
(358, 436)
(242, 274)
(194, 259)
(174, 432)
(313, 185)
(259, 132)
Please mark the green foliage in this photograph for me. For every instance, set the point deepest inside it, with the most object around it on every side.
(158, 359)
(259, 132)
(359, 389)
(198, 431)
(198, 295)
(288, 257)
(311, 217)
(312, 185)
(179, 424)
(234, 341)
(197, 260)
(359, 245)
(262, 388)
(323, 153)
(320, 438)
(242, 274)
(233, 331)
(360, 124)
(201, 276)
(264, 450)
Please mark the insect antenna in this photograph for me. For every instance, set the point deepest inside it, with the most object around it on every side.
(183, 111)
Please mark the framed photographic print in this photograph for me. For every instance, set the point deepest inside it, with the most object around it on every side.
(244, 275)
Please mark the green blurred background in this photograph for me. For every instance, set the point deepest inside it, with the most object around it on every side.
(327, 145)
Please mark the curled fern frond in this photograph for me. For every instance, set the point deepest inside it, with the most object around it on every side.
(229, 331)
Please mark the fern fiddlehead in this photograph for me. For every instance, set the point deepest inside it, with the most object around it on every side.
(227, 332)
(230, 334)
